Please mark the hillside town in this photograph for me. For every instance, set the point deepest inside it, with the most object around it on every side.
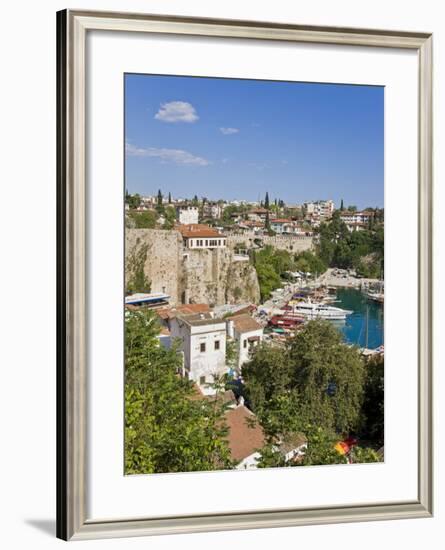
(228, 281)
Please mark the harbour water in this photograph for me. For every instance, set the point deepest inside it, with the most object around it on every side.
(364, 327)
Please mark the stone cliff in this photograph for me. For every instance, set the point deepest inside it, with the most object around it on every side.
(189, 276)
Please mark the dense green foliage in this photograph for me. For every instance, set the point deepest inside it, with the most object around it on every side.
(361, 250)
(317, 386)
(133, 201)
(308, 262)
(170, 217)
(168, 428)
(296, 381)
(373, 406)
(144, 220)
(271, 264)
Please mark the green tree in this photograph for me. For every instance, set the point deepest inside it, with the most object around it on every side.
(320, 447)
(168, 428)
(169, 198)
(267, 376)
(373, 404)
(341, 205)
(307, 261)
(267, 221)
(317, 374)
(320, 451)
(268, 279)
(160, 198)
(329, 376)
(133, 201)
(266, 201)
(170, 217)
(364, 455)
(144, 220)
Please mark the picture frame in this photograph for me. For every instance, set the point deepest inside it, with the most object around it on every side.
(73, 522)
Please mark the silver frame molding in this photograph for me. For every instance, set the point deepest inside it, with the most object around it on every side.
(72, 521)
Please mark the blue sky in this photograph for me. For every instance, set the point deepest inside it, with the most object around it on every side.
(237, 139)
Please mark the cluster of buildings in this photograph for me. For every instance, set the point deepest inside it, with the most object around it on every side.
(253, 217)
(203, 336)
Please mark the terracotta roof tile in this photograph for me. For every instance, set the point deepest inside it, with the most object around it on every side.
(244, 323)
(198, 230)
(243, 438)
(185, 309)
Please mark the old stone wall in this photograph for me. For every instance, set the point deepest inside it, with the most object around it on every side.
(163, 261)
(192, 276)
(291, 243)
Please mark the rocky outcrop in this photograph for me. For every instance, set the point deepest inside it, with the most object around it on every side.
(191, 276)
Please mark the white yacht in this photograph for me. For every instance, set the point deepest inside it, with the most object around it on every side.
(314, 310)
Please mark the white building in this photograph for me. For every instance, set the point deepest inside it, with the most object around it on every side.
(202, 340)
(322, 210)
(352, 218)
(247, 334)
(257, 215)
(187, 214)
(199, 236)
(284, 226)
(212, 210)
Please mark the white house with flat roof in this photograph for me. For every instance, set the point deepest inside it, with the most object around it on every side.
(247, 334)
(202, 340)
(187, 213)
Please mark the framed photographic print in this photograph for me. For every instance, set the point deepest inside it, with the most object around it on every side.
(244, 275)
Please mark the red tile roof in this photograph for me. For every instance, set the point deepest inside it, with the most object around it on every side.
(244, 323)
(185, 309)
(244, 438)
(198, 230)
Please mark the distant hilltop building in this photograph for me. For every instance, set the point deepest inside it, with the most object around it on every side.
(356, 221)
(284, 226)
(201, 236)
(257, 215)
(322, 210)
(212, 210)
(187, 214)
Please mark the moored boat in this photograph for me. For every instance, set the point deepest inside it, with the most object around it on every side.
(316, 310)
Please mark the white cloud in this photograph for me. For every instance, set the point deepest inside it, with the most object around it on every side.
(177, 111)
(228, 131)
(172, 156)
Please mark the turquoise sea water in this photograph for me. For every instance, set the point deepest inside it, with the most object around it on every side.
(365, 326)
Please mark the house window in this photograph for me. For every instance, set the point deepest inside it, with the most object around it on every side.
(244, 343)
(216, 344)
(202, 380)
(202, 347)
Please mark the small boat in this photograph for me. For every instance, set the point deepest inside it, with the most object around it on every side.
(375, 296)
(286, 321)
